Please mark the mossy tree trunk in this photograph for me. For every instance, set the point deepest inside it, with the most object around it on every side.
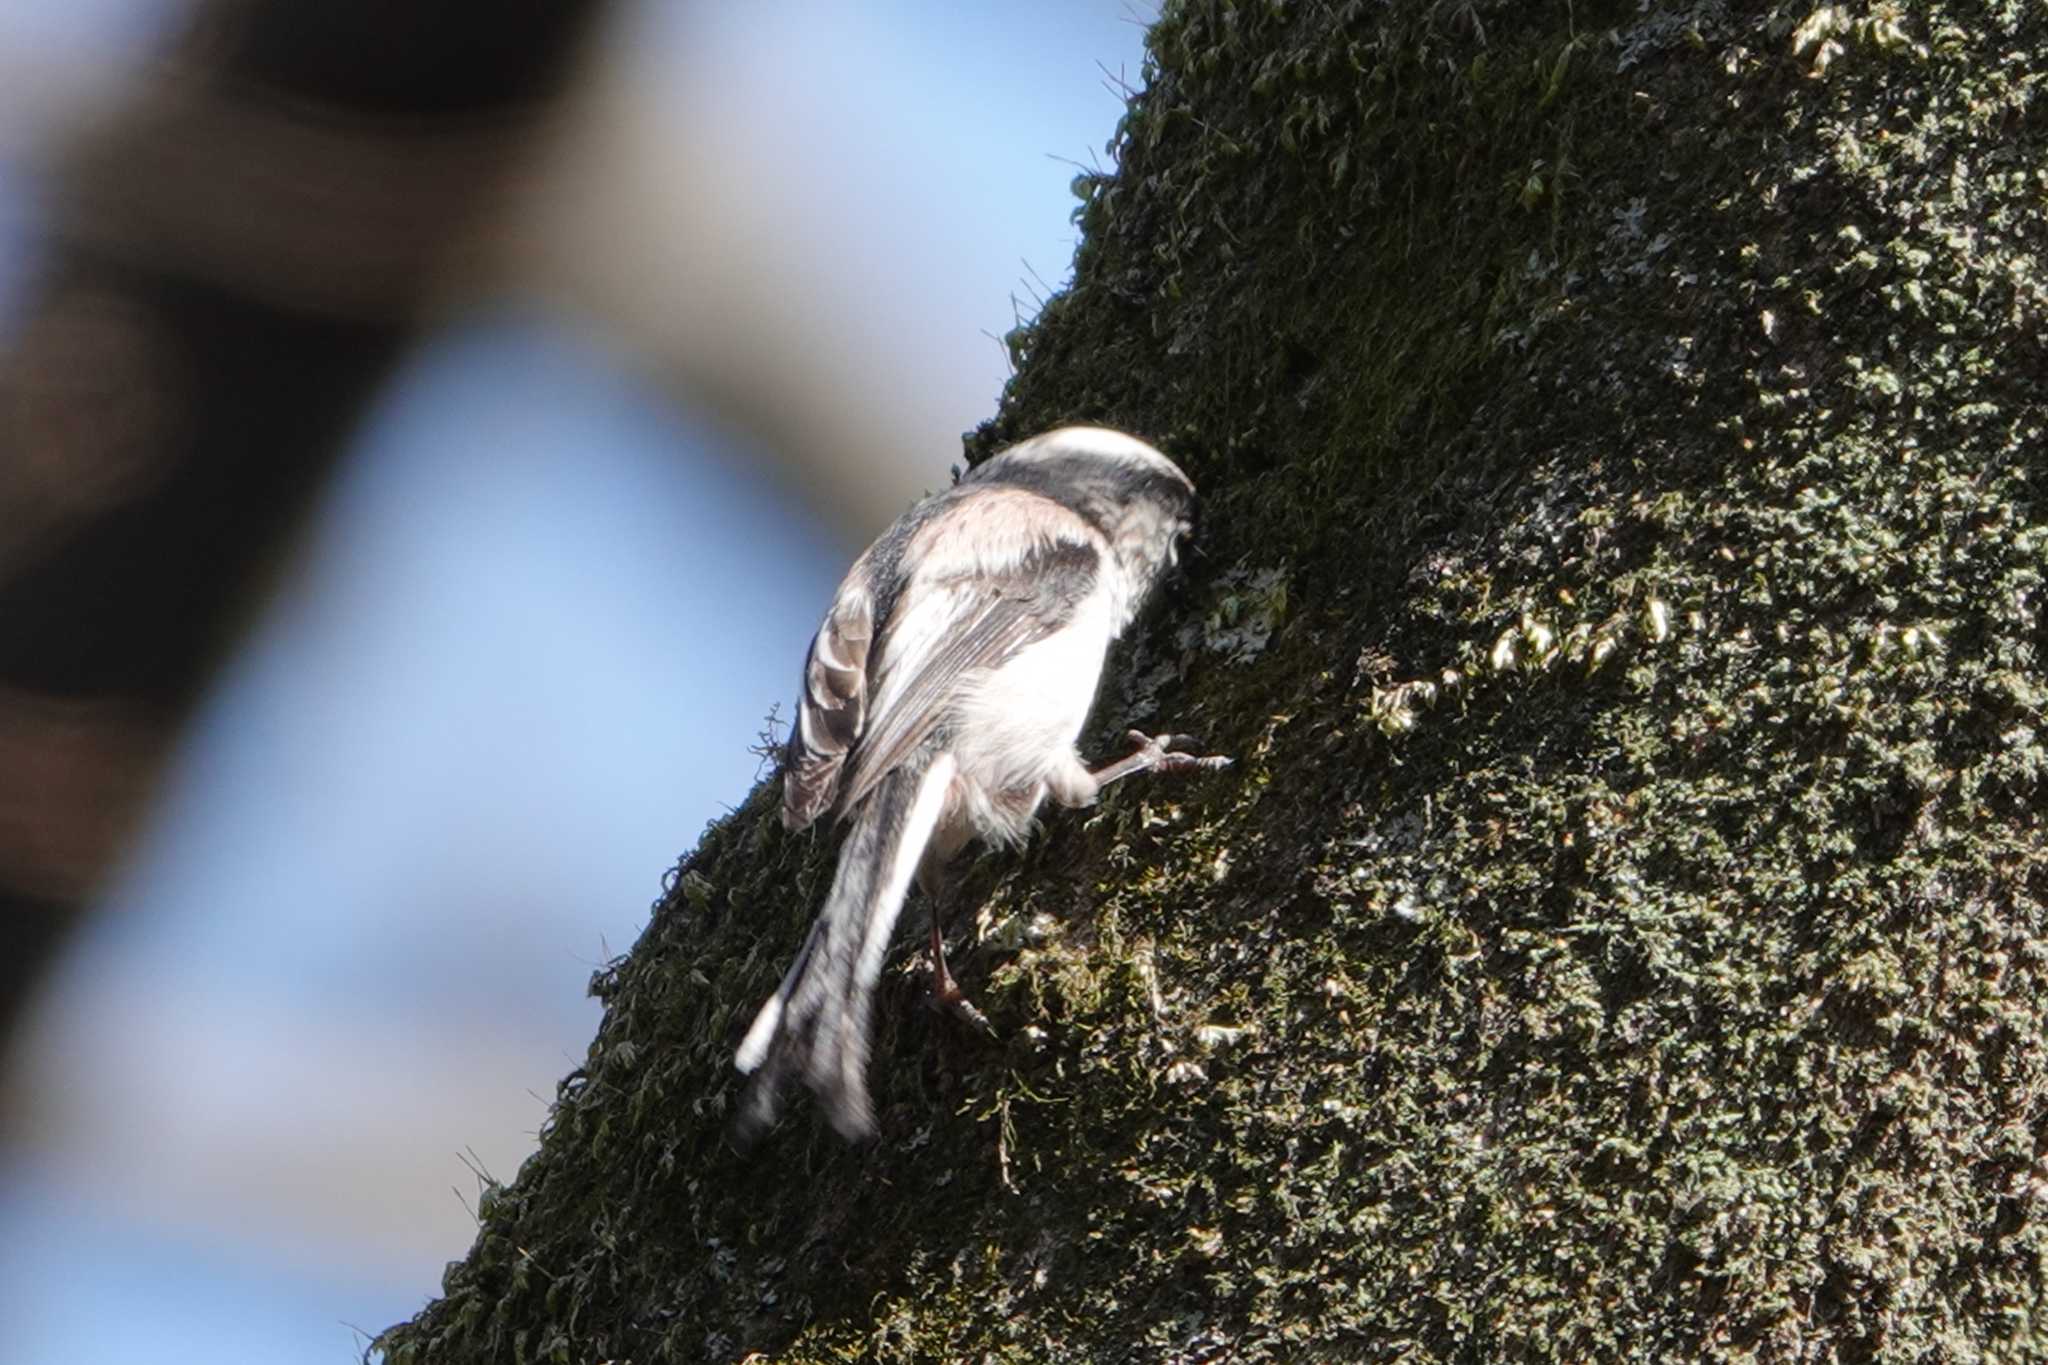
(1623, 934)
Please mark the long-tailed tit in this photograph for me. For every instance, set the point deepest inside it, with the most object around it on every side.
(942, 700)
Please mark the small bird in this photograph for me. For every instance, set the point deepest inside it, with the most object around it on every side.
(942, 700)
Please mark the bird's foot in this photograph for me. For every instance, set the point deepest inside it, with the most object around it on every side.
(948, 998)
(1160, 753)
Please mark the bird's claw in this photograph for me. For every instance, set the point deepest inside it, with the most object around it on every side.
(948, 998)
(1163, 753)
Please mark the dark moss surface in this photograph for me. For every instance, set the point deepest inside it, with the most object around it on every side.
(1623, 936)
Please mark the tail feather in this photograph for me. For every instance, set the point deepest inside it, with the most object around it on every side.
(816, 1024)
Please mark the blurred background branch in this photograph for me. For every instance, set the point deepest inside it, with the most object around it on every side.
(242, 249)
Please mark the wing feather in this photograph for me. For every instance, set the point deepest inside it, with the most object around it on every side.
(833, 709)
(989, 582)
(950, 634)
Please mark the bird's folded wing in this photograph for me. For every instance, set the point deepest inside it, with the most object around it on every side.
(946, 633)
(832, 712)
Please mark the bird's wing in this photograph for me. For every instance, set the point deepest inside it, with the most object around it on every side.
(952, 624)
(994, 570)
(833, 709)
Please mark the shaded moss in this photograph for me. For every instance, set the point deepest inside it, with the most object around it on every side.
(1623, 933)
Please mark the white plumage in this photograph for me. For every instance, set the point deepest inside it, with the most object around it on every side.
(943, 697)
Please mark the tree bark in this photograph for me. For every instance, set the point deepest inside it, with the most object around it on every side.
(1622, 935)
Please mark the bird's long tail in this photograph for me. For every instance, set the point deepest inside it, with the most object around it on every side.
(816, 1023)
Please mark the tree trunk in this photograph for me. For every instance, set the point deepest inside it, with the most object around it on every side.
(1622, 935)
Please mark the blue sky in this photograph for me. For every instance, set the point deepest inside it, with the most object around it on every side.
(541, 617)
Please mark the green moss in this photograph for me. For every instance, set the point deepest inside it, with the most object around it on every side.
(1622, 935)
